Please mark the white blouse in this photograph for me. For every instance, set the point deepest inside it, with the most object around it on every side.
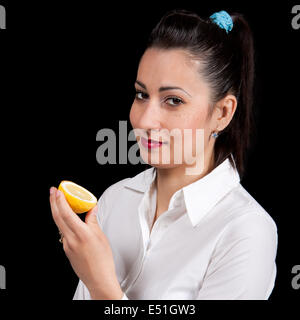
(214, 242)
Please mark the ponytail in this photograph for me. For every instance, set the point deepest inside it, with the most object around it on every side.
(239, 134)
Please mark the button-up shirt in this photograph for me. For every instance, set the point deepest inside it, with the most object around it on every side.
(215, 241)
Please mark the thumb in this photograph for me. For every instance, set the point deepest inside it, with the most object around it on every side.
(91, 216)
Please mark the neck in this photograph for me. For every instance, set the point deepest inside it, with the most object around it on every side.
(170, 180)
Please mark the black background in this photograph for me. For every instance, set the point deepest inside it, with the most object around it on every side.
(67, 71)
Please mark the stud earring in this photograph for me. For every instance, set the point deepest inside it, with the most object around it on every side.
(214, 135)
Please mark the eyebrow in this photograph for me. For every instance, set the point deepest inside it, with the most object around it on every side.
(161, 88)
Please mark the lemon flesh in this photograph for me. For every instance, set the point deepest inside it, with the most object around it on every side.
(79, 199)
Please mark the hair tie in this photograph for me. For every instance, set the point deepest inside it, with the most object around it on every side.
(223, 20)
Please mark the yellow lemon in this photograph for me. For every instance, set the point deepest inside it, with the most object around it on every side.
(79, 199)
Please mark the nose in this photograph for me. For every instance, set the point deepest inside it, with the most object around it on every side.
(150, 117)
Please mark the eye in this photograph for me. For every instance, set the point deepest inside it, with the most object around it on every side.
(176, 101)
(140, 95)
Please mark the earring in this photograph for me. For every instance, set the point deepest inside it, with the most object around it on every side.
(214, 135)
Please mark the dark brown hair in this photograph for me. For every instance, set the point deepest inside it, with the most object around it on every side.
(227, 66)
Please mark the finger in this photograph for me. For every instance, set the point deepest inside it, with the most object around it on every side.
(72, 221)
(91, 216)
(55, 214)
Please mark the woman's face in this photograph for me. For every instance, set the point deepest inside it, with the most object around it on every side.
(171, 97)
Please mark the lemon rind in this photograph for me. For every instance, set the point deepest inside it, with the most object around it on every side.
(65, 182)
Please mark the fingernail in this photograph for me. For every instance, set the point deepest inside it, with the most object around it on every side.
(58, 193)
(51, 190)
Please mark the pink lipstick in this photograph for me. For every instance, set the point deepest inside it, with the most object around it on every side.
(150, 144)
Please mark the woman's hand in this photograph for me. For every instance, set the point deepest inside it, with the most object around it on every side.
(87, 248)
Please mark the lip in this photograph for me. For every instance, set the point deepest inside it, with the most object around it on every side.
(150, 144)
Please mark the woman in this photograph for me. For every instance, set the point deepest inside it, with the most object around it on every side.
(170, 233)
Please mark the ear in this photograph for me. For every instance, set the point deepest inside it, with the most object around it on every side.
(225, 111)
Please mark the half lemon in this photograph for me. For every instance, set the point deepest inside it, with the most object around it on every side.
(79, 199)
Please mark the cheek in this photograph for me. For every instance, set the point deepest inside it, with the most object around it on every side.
(133, 116)
(200, 121)
(194, 121)
(197, 122)
(191, 121)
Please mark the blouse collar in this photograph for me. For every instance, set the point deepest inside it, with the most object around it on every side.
(200, 196)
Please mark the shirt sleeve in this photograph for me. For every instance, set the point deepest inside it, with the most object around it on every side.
(82, 292)
(125, 297)
(243, 263)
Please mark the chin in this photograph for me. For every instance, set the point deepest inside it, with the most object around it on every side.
(161, 165)
(164, 166)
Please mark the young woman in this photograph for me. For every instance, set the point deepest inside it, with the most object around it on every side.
(167, 233)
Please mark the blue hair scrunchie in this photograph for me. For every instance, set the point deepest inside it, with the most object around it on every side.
(223, 20)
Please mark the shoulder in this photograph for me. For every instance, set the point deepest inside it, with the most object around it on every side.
(124, 193)
(138, 183)
(246, 218)
(114, 188)
(244, 251)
